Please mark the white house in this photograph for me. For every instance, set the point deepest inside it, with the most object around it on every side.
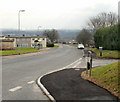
(28, 41)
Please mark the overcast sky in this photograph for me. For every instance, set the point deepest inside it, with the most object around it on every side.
(49, 14)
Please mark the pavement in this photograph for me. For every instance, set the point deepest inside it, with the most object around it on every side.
(67, 84)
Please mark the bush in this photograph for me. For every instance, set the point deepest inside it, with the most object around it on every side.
(50, 45)
(107, 38)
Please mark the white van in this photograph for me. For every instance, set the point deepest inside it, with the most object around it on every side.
(80, 46)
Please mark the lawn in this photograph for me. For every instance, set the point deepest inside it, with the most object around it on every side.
(107, 53)
(107, 77)
(17, 50)
(22, 50)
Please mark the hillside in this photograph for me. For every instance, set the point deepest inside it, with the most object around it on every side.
(63, 33)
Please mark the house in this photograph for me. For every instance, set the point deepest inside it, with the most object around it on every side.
(40, 40)
(6, 44)
(28, 41)
(2, 37)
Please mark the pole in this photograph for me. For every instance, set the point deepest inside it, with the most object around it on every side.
(19, 29)
(90, 64)
(19, 32)
(19, 21)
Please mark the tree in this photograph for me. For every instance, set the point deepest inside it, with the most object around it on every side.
(108, 38)
(52, 35)
(103, 20)
(84, 37)
(112, 18)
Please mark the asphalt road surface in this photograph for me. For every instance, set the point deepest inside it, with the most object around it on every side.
(19, 73)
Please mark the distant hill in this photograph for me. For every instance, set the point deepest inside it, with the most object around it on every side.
(64, 34)
(68, 34)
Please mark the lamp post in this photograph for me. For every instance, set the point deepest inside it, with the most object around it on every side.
(19, 18)
(19, 26)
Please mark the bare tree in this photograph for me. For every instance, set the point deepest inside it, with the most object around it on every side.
(102, 20)
(112, 18)
(51, 34)
(84, 37)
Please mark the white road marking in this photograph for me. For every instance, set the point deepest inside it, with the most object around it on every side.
(76, 65)
(77, 69)
(73, 63)
(15, 89)
(68, 66)
(31, 82)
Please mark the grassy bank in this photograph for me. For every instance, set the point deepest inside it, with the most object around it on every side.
(56, 46)
(22, 50)
(106, 53)
(107, 77)
(16, 51)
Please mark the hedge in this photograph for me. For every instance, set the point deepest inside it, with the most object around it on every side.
(108, 38)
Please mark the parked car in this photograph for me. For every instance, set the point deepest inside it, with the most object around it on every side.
(80, 46)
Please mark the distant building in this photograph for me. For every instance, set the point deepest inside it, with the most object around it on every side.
(39, 40)
(6, 44)
(2, 37)
(26, 41)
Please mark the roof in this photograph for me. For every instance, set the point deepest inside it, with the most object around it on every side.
(2, 36)
(6, 40)
(25, 37)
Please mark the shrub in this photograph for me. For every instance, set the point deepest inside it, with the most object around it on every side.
(107, 38)
(50, 45)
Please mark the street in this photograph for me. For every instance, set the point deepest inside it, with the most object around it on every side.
(19, 73)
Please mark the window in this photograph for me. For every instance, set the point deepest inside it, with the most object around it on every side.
(25, 45)
(23, 39)
(17, 39)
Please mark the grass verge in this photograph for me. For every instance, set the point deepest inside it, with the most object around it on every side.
(17, 50)
(107, 77)
(107, 53)
(22, 50)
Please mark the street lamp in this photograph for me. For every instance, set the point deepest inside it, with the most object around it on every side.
(19, 25)
(19, 18)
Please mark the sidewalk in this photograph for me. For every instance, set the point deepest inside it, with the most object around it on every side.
(67, 84)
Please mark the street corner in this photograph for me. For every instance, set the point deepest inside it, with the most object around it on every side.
(69, 81)
(44, 90)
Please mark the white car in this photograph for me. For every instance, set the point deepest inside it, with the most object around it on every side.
(80, 46)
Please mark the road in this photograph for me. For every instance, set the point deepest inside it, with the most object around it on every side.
(19, 74)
